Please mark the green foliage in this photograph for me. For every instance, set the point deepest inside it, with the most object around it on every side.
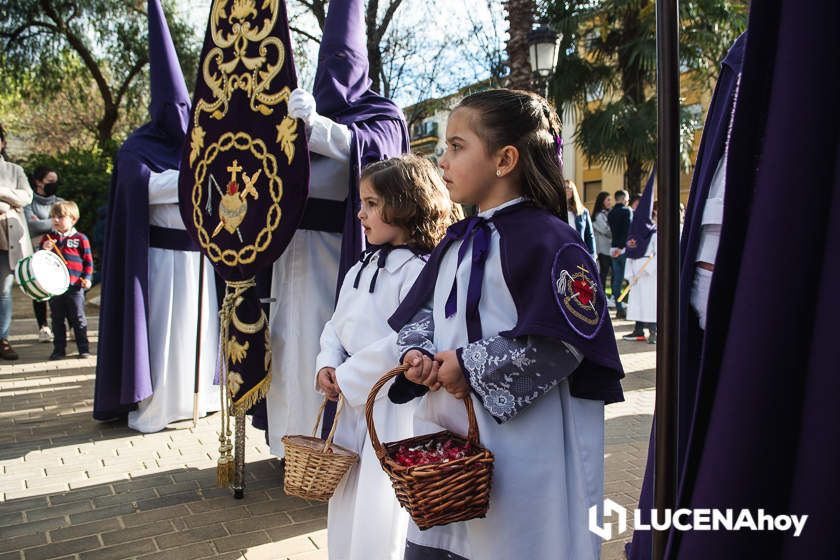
(606, 74)
(98, 46)
(84, 176)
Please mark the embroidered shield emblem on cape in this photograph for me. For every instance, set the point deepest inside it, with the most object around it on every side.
(576, 289)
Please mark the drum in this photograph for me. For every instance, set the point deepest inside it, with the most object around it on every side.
(42, 275)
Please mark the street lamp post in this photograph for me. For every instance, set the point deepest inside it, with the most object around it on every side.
(543, 49)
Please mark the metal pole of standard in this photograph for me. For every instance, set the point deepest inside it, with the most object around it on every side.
(198, 338)
(667, 313)
(239, 456)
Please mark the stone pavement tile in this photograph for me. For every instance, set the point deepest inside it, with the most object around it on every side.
(241, 542)
(19, 543)
(85, 529)
(189, 552)
(135, 533)
(319, 538)
(285, 503)
(61, 549)
(125, 550)
(59, 510)
(140, 518)
(14, 555)
(314, 555)
(24, 503)
(168, 500)
(93, 492)
(306, 514)
(254, 523)
(177, 487)
(125, 497)
(11, 518)
(290, 531)
(216, 516)
(224, 501)
(191, 536)
(282, 549)
(32, 528)
(101, 513)
(141, 483)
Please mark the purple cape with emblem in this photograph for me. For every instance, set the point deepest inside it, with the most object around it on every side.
(642, 227)
(536, 248)
(767, 423)
(122, 368)
(712, 146)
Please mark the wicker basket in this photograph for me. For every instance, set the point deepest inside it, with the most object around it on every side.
(314, 467)
(437, 493)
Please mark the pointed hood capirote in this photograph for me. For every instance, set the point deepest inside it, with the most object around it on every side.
(170, 104)
(158, 143)
(642, 227)
(342, 80)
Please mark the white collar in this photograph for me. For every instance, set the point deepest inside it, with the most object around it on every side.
(70, 232)
(397, 258)
(490, 211)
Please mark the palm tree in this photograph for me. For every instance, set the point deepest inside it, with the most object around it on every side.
(607, 73)
(520, 17)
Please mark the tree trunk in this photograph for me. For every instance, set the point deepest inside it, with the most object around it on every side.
(633, 175)
(105, 128)
(520, 16)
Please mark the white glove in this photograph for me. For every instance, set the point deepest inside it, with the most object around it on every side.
(302, 106)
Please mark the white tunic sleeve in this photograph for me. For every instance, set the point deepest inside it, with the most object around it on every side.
(330, 139)
(163, 187)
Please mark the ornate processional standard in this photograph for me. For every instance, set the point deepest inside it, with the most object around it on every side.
(243, 186)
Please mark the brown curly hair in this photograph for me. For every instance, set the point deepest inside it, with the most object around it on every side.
(414, 198)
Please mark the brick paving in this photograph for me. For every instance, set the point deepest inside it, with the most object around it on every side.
(75, 489)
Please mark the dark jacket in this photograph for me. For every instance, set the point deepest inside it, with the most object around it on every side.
(619, 219)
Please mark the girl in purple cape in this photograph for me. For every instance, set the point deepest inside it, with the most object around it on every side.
(510, 309)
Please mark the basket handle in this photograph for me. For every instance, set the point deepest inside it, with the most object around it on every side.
(329, 440)
(472, 434)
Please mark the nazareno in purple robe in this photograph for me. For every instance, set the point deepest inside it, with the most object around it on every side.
(712, 146)
(122, 370)
(767, 424)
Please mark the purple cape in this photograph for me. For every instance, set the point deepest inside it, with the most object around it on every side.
(642, 227)
(712, 146)
(535, 246)
(122, 368)
(767, 423)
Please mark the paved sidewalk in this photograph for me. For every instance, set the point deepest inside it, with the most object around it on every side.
(73, 488)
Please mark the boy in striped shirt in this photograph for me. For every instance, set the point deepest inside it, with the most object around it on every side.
(70, 306)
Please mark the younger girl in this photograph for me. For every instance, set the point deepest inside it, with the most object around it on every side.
(405, 211)
(510, 309)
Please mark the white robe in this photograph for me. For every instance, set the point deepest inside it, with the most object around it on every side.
(303, 286)
(642, 297)
(173, 315)
(549, 459)
(365, 521)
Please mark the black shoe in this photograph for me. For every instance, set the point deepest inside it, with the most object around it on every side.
(634, 336)
(6, 350)
(621, 314)
(652, 338)
(83, 355)
(57, 356)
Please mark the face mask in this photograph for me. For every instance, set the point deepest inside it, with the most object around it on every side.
(50, 188)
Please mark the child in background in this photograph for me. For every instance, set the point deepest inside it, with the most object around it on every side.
(510, 308)
(70, 306)
(405, 211)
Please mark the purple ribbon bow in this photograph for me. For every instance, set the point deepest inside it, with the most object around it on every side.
(478, 229)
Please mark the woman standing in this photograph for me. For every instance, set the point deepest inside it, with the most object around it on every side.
(39, 222)
(603, 234)
(14, 238)
(579, 217)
